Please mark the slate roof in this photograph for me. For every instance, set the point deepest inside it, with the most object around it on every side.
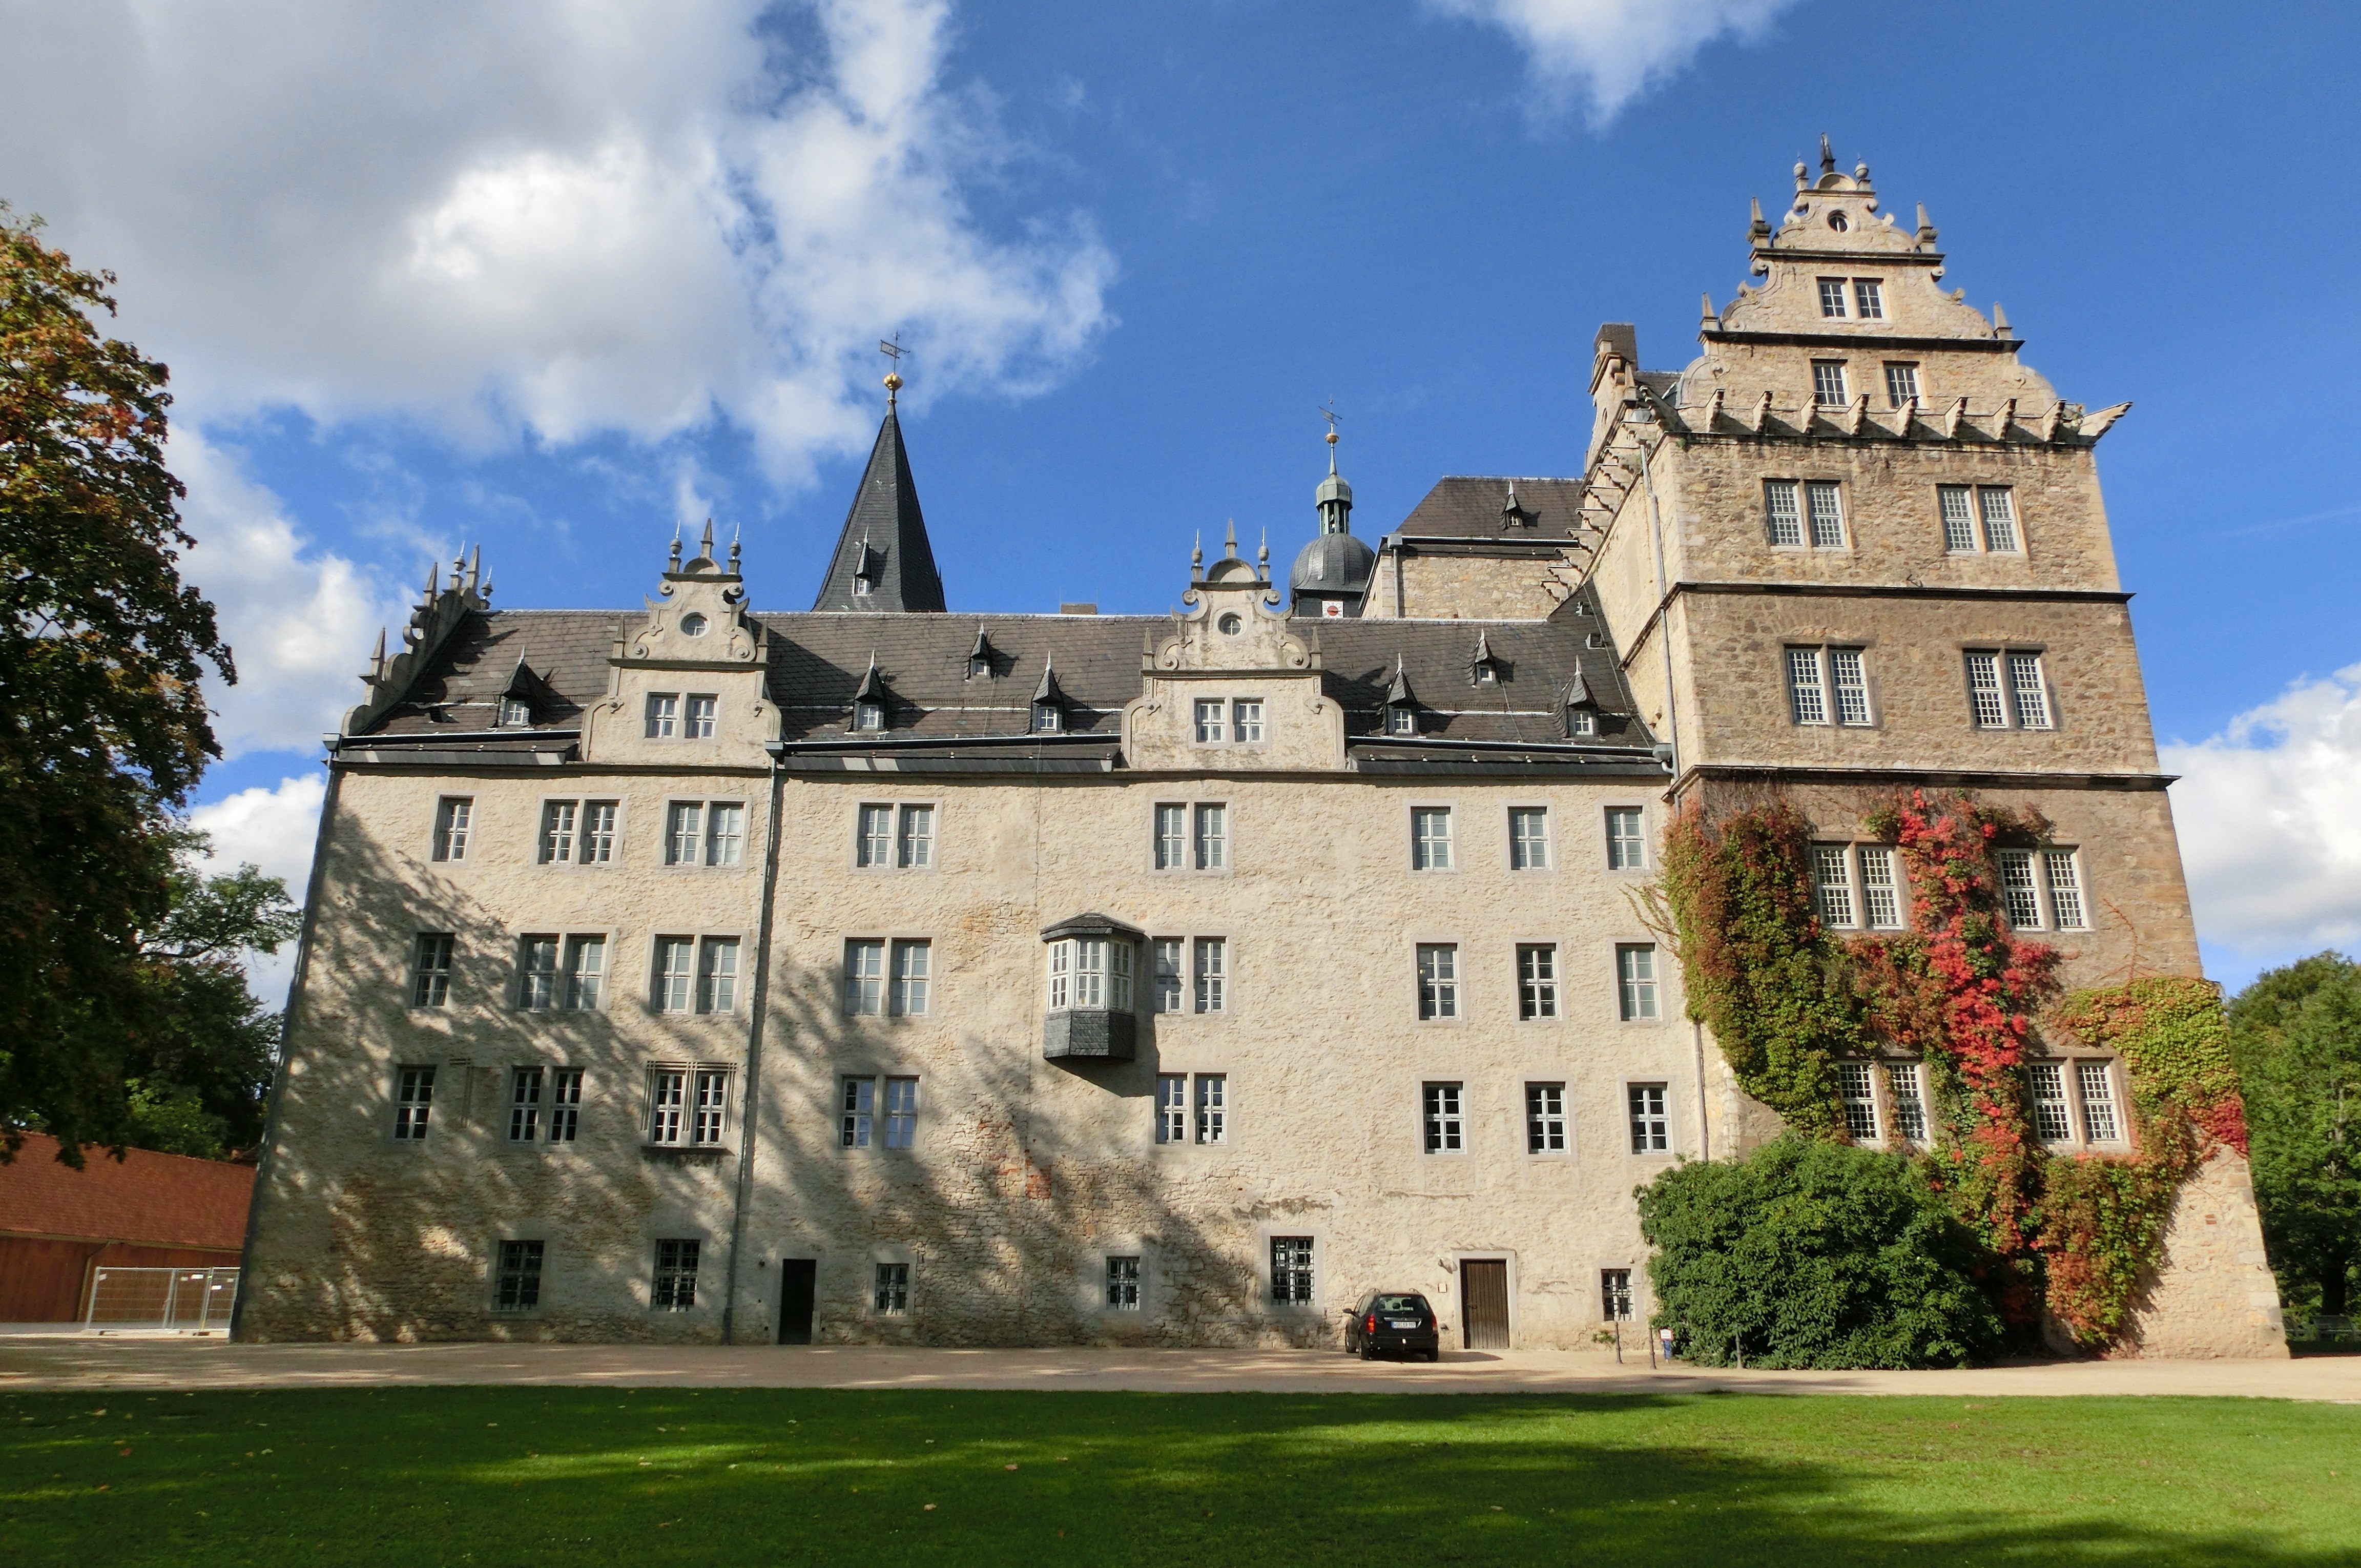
(818, 660)
(1471, 507)
(154, 1200)
(886, 534)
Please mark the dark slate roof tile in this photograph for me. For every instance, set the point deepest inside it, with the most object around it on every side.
(1472, 507)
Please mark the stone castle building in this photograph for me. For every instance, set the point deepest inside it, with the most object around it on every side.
(879, 973)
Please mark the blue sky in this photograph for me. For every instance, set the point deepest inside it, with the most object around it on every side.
(555, 280)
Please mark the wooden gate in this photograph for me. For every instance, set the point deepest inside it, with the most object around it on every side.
(1484, 1303)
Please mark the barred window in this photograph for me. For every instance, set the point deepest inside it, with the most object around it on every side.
(675, 1289)
(452, 815)
(2098, 1100)
(1429, 838)
(1123, 1284)
(1626, 841)
(1615, 1293)
(1529, 840)
(1983, 691)
(1651, 1125)
(1536, 981)
(2051, 1120)
(1785, 521)
(1291, 1270)
(430, 984)
(413, 1103)
(1829, 383)
(1824, 504)
(892, 1295)
(1858, 1084)
(1438, 979)
(1213, 1108)
(1545, 1118)
(1959, 519)
(1443, 1122)
(1832, 884)
(1172, 1108)
(1905, 1083)
(2026, 693)
(1635, 969)
(518, 1286)
(2065, 890)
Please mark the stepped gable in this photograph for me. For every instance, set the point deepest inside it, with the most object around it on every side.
(1479, 506)
(883, 561)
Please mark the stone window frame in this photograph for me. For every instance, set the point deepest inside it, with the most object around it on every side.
(1508, 813)
(1318, 1306)
(2041, 863)
(1518, 946)
(1094, 1283)
(1635, 1273)
(568, 941)
(418, 970)
(441, 827)
(1606, 831)
(2005, 655)
(703, 1304)
(1978, 532)
(1460, 978)
(1451, 835)
(1673, 1141)
(1565, 1117)
(703, 862)
(699, 940)
(1191, 809)
(694, 1074)
(582, 804)
(1442, 1115)
(892, 943)
(522, 1231)
(1631, 1017)
(1798, 488)
(437, 1086)
(897, 808)
(880, 1082)
(1829, 693)
(1856, 857)
(889, 1254)
(2070, 1068)
(502, 1126)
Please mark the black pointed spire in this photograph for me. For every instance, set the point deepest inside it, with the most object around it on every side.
(883, 559)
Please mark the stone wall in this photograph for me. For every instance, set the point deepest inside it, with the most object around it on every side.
(2214, 1294)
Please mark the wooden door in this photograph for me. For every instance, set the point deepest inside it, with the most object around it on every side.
(1484, 1303)
(797, 1276)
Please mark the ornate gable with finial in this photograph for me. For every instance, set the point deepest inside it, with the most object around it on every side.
(1232, 642)
(691, 680)
(439, 611)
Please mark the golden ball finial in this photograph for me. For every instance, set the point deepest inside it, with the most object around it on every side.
(1331, 438)
(892, 382)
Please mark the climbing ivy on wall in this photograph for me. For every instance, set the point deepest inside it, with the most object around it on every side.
(1787, 999)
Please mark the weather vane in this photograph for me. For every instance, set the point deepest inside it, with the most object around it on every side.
(892, 348)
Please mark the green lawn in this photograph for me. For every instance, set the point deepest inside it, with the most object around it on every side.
(533, 1475)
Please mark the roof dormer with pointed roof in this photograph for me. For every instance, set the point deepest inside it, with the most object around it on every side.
(883, 561)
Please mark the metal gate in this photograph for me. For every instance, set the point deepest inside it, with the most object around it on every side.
(168, 1301)
(1484, 1303)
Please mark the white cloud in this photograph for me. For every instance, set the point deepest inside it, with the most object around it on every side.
(1608, 52)
(271, 829)
(297, 618)
(545, 216)
(2269, 813)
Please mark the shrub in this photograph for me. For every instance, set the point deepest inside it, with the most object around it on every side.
(1811, 1254)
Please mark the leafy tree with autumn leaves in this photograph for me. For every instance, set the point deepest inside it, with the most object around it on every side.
(103, 729)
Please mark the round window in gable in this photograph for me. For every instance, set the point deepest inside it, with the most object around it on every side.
(1836, 222)
(692, 626)
(1230, 624)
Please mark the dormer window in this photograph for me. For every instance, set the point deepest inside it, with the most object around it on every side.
(861, 584)
(870, 715)
(515, 713)
(1048, 718)
(1487, 673)
(1581, 721)
(1402, 719)
(978, 667)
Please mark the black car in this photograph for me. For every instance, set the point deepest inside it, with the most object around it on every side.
(1393, 1321)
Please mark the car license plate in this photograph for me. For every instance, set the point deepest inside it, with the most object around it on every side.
(1402, 1322)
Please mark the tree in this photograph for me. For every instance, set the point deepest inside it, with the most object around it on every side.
(103, 720)
(2296, 1034)
(1808, 1253)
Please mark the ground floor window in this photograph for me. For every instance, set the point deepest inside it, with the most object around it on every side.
(518, 1286)
(676, 1282)
(892, 1297)
(1123, 1284)
(1615, 1293)
(1291, 1269)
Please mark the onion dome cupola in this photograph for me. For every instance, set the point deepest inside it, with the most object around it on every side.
(1332, 573)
